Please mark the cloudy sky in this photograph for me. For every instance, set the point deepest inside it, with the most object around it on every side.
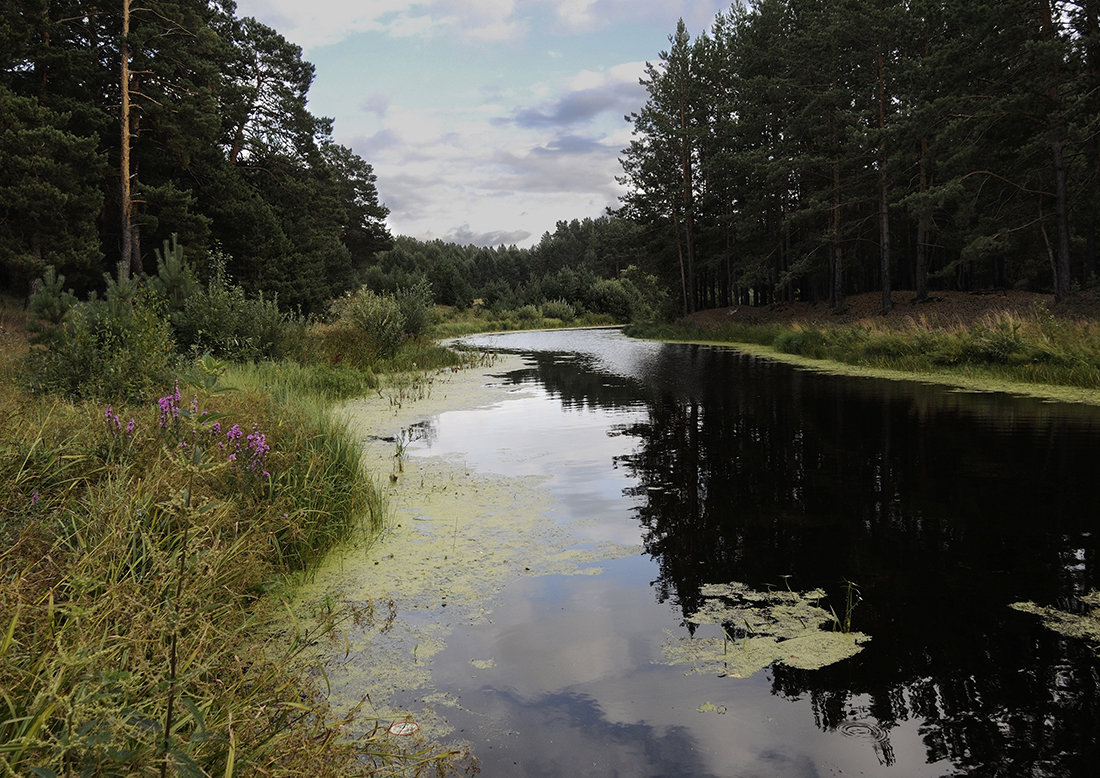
(486, 121)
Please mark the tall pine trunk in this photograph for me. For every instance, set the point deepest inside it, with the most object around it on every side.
(836, 290)
(920, 279)
(884, 195)
(126, 205)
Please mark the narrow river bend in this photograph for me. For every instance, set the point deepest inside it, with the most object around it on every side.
(634, 475)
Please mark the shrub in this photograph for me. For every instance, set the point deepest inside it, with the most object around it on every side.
(224, 321)
(115, 348)
(378, 319)
(558, 309)
(806, 343)
(527, 314)
(417, 307)
(612, 296)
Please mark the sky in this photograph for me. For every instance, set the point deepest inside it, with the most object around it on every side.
(486, 121)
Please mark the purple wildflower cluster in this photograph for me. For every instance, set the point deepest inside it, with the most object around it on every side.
(248, 451)
(114, 423)
(170, 407)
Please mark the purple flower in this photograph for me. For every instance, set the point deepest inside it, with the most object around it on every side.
(34, 498)
(130, 427)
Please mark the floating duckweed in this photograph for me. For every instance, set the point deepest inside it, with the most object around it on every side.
(1075, 625)
(761, 629)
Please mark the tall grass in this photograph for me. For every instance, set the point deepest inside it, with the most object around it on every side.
(1035, 348)
(142, 551)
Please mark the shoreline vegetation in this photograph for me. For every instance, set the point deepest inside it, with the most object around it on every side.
(1019, 345)
(159, 509)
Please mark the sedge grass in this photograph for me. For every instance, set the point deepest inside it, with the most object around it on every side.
(141, 630)
(1032, 349)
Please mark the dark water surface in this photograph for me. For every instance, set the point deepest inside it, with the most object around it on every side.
(943, 507)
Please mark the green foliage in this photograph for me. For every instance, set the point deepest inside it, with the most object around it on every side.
(1036, 349)
(49, 198)
(134, 633)
(565, 266)
(377, 319)
(558, 309)
(416, 306)
(527, 314)
(175, 279)
(224, 320)
(52, 301)
(116, 348)
(919, 148)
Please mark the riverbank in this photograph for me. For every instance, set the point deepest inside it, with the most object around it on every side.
(1009, 342)
(143, 551)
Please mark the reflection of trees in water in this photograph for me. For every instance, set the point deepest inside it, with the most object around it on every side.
(750, 471)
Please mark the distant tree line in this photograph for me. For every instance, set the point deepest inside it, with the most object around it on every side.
(122, 124)
(591, 265)
(809, 149)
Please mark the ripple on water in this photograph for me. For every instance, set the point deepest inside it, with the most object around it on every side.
(863, 730)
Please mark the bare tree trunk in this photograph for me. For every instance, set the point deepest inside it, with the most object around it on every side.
(1061, 215)
(921, 270)
(884, 202)
(836, 292)
(1061, 197)
(680, 254)
(126, 205)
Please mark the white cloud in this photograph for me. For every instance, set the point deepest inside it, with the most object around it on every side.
(323, 22)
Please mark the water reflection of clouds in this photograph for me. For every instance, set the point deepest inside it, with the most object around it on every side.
(606, 350)
(569, 447)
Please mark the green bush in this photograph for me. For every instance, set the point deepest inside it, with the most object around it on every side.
(224, 321)
(378, 318)
(558, 309)
(116, 348)
(527, 314)
(417, 307)
(614, 297)
(806, 343)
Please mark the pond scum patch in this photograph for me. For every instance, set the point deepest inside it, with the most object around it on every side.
(760, 629)
(1084, 624)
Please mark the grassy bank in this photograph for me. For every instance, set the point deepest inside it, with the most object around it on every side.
(145, 547)
(455, 322)
(1032, 348)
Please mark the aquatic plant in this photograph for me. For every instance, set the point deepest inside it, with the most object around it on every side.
(762, 628)
(1084, 624)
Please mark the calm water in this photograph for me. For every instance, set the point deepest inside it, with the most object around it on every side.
(942, 506)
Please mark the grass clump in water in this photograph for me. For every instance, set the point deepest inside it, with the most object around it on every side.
(1083, 624)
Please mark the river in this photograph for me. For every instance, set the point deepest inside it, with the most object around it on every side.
(608, 486)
